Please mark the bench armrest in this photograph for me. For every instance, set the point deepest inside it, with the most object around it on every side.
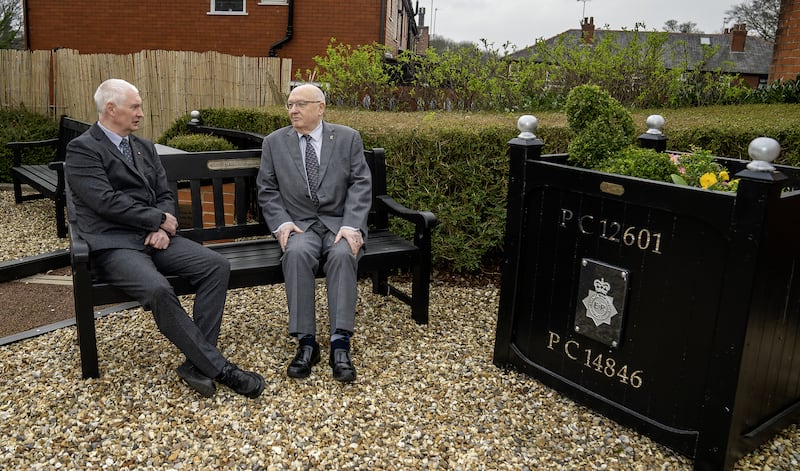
(78, 249)
(58, 166)
(18, 147)
(424, 220)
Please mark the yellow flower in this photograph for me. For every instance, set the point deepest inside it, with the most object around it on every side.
(708, 179)
(724, 176)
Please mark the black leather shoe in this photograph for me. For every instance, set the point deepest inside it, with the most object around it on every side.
(343, 369)
(196, 380)
(306, 357)
(246, 383)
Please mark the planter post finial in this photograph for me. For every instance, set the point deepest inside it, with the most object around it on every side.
(526, 145)
(654, 137)
(527, 124)
(763, 150)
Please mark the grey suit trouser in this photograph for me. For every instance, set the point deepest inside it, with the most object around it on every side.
(300, 262)
(140, 274)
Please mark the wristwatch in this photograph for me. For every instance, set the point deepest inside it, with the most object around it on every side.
(163, 218)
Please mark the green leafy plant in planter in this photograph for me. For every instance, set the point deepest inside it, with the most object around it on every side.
(603, 136)
(639, 162)
(698, 168)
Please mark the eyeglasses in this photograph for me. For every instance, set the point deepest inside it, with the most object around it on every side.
(300, 104)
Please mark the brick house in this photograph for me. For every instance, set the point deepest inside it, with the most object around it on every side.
(786, 56)
(254, 28)
(748, 56)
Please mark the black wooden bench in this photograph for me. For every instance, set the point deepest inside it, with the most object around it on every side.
(253, 253)
(46, 179)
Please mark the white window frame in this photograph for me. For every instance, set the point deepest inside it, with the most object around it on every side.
(214, 11)
(273, 2)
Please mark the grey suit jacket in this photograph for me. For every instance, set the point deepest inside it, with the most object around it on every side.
(345, 182)
(115, 204)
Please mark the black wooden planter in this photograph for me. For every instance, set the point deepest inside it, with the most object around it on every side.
(672, 310)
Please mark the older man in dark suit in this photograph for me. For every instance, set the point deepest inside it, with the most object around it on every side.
(315, 191)
(125, 211)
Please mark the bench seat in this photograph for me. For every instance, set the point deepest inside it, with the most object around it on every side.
(260, 259)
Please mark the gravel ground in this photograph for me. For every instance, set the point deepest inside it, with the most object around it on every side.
(427, 397)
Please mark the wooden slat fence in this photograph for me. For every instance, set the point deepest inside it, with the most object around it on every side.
(171, 83)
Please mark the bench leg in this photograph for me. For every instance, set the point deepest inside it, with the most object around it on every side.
(419, 301)
(420, 293)
(17, 191)
(380, 283)
(61, 220)
(84, 320)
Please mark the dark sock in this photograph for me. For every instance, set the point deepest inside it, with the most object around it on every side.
(308, 339)
(340, 343)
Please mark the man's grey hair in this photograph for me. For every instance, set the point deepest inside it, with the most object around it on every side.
(112, 90)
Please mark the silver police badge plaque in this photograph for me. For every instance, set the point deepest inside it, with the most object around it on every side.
(602, 295)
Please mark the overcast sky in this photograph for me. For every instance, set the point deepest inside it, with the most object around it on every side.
(521, 22)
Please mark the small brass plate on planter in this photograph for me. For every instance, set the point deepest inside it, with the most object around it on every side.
(612, 188)
(602, 298)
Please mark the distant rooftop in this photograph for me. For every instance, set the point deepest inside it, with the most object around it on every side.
(754, 59)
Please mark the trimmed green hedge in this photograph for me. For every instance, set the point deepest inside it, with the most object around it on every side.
(19, 125)
(199, 143)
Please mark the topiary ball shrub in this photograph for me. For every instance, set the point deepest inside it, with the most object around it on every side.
(601, 126)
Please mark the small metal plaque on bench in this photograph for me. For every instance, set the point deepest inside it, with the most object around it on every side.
(602, 298)
(232, 164)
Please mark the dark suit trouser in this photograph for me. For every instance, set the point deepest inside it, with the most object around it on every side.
(141, 275)
(300, 263)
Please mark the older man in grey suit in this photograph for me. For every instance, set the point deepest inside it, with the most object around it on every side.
(315, 191)
(125, 211)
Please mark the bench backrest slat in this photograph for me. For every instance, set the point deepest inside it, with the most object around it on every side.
(376, 159)
(241, 201)
(197, 209)
(219, 203)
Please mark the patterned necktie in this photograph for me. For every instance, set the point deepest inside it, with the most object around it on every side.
(125, 148)
(312, 170)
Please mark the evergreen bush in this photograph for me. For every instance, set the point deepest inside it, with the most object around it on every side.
(21, 125)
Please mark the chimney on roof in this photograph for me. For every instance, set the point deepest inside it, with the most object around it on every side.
(587, 30)
(738, 37)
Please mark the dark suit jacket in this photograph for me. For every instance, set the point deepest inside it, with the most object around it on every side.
(116, 205)
(345, 183)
